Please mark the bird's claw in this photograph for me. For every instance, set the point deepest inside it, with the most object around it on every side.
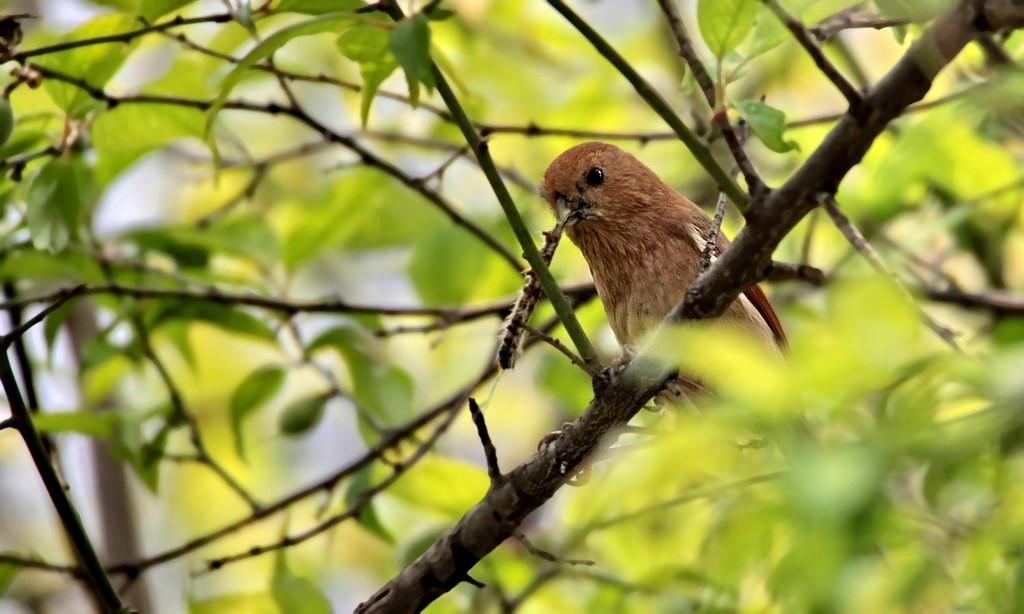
(671, 393)
(552, 437)
(582, 476)
(609, 374)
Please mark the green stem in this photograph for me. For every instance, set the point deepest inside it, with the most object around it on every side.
(660, 106)
(106, 596)
(561, 304)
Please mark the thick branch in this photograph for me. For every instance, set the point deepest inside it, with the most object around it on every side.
(504, 507)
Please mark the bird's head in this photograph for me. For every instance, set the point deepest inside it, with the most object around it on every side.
(596, 183)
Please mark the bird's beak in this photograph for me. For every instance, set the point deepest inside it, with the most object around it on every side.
(572, 211)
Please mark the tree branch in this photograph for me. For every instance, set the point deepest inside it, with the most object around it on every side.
(107, 598)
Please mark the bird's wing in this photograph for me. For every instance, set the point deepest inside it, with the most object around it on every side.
(758, 299)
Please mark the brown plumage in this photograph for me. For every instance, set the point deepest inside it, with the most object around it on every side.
(642, 240)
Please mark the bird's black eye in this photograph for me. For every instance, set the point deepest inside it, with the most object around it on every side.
(595, 177)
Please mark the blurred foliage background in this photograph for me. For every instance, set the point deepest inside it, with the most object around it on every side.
(337, 188)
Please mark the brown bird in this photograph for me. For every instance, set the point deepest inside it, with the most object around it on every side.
(642, 241)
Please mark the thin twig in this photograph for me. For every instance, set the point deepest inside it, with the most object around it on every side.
(490, 452)
(515, 323)
(991, 300)
(711, 241)
(122, 37)
(800, 33)
(364, 500)
(784, 271)
(696, 495)
(181, 411)
(561, 347)
(720, 115)
(828, 28)
(56, 302)
(861, 244)
(548, 556)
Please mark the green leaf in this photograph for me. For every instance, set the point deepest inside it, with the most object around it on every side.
(184, 250)
(369, 47)
(357, 485)
(725, 23)
(95, 64)
(410, 44)
(255, 390)
(769, 33)
(345, 338)
(441, 485)
(768, 123)
(412, 549)
(124, 134)
(565, 382)
(7, 573)
(247, 236)
(440, 14)
(100, 425)
(362, 210)
(229, 318)
(318, 7)
(918, 11)
(330, 22)
(242, 14)
(150, 10)
(296, 595)
(23, 141)
(147, 460)
(54, 203)
(177, 333)
(6, 120)
(835, 486)
(37, 265)
(51, 327)
(384, 389)
(303, 415)
(446, 265)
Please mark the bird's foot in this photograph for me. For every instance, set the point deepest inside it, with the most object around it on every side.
(582, 476)
(610, 373)
(671, 393)
(552, 437)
